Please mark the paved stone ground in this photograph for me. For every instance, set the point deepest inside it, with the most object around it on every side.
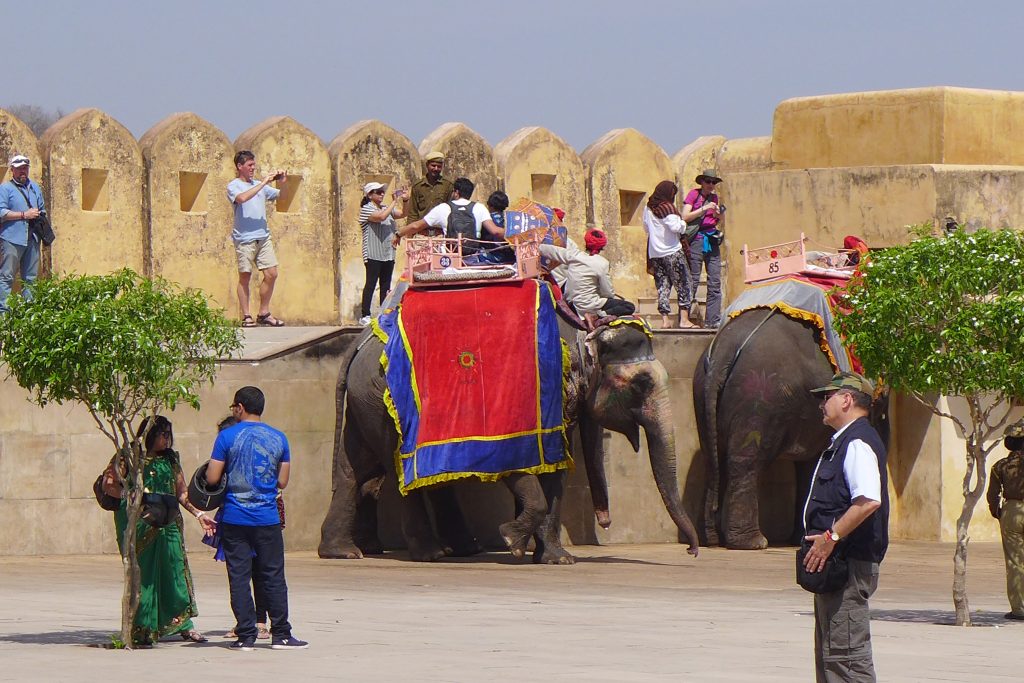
(623, 613)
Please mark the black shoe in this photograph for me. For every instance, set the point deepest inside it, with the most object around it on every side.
(1014, 616)
(247, 645)
(289, 643)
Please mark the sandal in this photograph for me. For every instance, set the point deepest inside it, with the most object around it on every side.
(193, 636)
(262, 632)
(231, 634)
(247, 321)
(269, 320)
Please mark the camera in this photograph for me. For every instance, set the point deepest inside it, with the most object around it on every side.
(279, 176)
(721, 209)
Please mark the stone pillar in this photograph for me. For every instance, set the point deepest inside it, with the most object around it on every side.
(533, 162)
(623, 166)
(466, 155)
(188, 165)
(301, 223)
(94, 176)
(365, 151)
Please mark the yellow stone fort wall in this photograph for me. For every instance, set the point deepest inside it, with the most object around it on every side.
(866, 164)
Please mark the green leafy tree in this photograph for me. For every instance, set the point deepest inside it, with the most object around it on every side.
(125, 347)
(945, 316)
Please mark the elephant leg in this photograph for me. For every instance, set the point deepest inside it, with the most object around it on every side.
(739, 507)
(455, 536)
(336, 540)
(712, 522)
(804, 472)
(530, 498)
(419, 537)
(365, 532)
(548, 538)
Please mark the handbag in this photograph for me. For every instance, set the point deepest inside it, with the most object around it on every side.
(39, 226)
(833, 575)
(102, 485)
(159, 509)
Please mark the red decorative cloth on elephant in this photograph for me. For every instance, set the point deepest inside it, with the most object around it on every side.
(803, 297)
(475, 382)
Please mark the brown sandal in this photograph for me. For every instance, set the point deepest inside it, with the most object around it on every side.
(193, 636)
(247, 321)
(268, 320)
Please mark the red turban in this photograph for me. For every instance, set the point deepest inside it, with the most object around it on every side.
(595, 240)
(558, 212)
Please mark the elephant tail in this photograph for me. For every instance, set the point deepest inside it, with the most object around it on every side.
(340, 392)
(706, 413)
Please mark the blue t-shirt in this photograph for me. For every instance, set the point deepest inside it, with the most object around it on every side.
(250, 216)
(252, 453)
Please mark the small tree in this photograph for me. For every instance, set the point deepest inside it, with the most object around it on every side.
(946, 316)
(35, 117)
(125, 347)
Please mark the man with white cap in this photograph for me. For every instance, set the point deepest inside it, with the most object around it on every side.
(430, 190)
(21, 201)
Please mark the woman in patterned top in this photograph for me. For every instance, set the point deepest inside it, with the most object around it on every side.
(379, 229)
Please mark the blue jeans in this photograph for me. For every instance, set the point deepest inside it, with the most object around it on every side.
(256, 552)
(23, 261)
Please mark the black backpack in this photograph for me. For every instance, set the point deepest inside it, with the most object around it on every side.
(461, 222)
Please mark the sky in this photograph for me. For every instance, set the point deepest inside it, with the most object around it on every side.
(672, 70)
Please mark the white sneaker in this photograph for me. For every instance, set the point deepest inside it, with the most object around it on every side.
(364, 321)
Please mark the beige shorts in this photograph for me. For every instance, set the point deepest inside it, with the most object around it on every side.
(260, 252)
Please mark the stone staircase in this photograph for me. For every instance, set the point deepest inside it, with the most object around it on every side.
(647, 306)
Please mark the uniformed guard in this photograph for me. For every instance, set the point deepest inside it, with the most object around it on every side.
(430, 190)
(1006, 503)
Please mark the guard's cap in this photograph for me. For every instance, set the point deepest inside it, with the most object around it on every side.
(848, 380)
(433, 156)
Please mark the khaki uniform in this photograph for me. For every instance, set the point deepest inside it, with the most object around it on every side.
(1006, 503)
(425, 197)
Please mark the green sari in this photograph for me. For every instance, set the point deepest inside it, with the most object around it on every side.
(167, 600)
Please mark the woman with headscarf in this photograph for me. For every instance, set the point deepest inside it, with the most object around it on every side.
(167, 600)
(667, 255)
(701, 208)
(379, 230)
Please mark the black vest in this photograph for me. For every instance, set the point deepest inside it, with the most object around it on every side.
(830, 495)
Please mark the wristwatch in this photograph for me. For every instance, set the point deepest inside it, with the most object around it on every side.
(832, 535)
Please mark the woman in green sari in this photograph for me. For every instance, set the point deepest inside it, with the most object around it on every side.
(167, 601)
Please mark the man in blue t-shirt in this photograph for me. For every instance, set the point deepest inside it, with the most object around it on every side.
(255, 458)
(253, 245)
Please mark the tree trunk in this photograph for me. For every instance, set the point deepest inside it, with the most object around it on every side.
(129, 558)
(976, 467)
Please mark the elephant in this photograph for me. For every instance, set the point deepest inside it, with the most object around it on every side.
(753, 406)
(626, 389)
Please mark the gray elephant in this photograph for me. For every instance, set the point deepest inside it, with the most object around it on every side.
(624, 391)
(753, 406)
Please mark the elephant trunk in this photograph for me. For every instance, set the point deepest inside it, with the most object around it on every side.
(656, 419)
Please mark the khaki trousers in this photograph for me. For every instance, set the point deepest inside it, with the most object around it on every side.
(1011, 524)
(842, 628)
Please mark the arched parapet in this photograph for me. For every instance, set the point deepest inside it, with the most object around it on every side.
(623, 166)
(365, 151)
(188, 164)
(301, 221)
(534, 162)
(94, 175)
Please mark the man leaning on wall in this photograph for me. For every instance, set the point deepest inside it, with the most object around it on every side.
(251, 236)
(21, 200)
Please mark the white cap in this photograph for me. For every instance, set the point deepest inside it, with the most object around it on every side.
(370, 187)
(19, 160)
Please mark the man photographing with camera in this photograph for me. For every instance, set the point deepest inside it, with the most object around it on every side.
(21, 201)
(253, 245)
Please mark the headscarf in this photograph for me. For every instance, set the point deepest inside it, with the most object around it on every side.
(662, 202)
(595, 240)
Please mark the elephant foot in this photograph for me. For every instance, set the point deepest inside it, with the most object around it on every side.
(711, 537)
(753, 542)
(604, 517)
(371, 547)
(514, 538)
(425, 552)
(556, 555)
(346, 552)
(465, 549)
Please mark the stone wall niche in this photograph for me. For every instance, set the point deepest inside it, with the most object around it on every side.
(301, 224)
(94, 175)
(534, 162)
(189, 163)
(467, 155)
(622, 167)
(366, 151)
